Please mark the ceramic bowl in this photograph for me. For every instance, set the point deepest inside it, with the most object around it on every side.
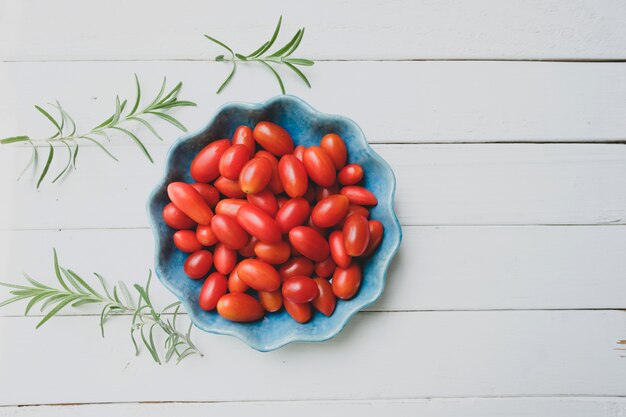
(306, 126)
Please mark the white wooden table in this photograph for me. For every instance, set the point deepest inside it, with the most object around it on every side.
(504, 124)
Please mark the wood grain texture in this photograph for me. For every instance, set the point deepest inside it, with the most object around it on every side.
(373, 29)
(402, 102)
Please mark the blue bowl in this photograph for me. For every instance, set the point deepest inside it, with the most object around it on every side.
(306, 126)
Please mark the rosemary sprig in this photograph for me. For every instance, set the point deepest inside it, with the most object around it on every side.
(262, 56)
(67, 136)
(75, 292)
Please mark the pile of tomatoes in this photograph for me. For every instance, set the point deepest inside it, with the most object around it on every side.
(268, 220)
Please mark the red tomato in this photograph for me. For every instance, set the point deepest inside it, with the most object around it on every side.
(259, 224)
(175, 218)
(336, 149)
(325, 268)
(275, 185)
(265, 200)
(359, 195)
(300, 312)
(258, 274)
(319, 166)
(229, 206)
(186, 241)
(356, 235)
(233, 160)
(330, 211)
(229, 232)
(255, 175)
(296, 266)
(205, 166)
(309, 243)
(346, 281)
(198, 264)
(376, 236)
(300, 289)
(294, 212)
(224, 259)
(208, 193)
(235, 284)
(271, 300)
(293, 176)
(323, 192)
(190, 202)
(229, 188)
(298, 152)
(338, 249)
(248, 250)
(322, 231)
(243, 136)
(205, 235)
(354, 209)
(240, 307)
(325, 302)
(281, 200)
(350, 174)
(273, 138)
(212, 290)
(273, 253)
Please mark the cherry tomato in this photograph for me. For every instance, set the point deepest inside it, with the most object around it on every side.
(265, 200)
(273, 138)
(346, 281)
(255, 175)
(322, 231)
(300, 312)
(205, 235)
(319, 166)
(354, 209)
(323, 192)
(273, 253)
(338, 249)
(240, 307)
(243, 136)
(208, 193)
(229, 206)
(330, 211)
(229, 232)
(294, 212)
(198, 264)
(309, 243)
(224, 259)
(186, 241)
(356, 234)
(275, 185)
(259, 224)
(336, 149)
(350, 174)
(376, 236)
(212, 290)
(298, 152)
(271, 300)
(296, 266)
(235, 284)
(248, 250)
(300, 289)
(359, 195)
(176, 219)
(281, 200)
(205, 166)
(258, 274)
(293, 176)
(233, 160)
(229, 188)
(190, 202)
(325, 268)
(326, 301)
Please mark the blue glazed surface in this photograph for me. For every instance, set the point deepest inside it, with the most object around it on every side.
(306, 126)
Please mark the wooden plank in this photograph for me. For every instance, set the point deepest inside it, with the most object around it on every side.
(437, 185)
(403, 102)
(391, 355)
(435, 407)
(378, 29)
(437, 268)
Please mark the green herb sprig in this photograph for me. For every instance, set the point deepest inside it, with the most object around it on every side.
(262, 56)
(75, 292)
(67, 136)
